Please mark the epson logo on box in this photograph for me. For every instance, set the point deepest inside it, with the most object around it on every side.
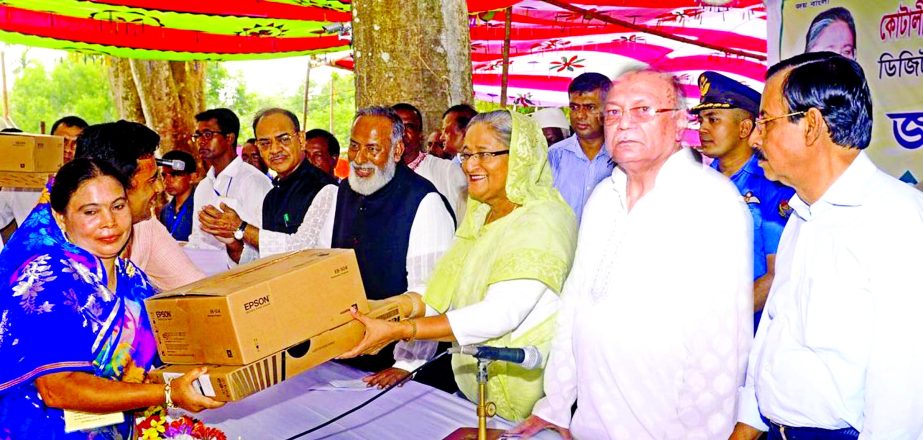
(161, 314)
(257, 303)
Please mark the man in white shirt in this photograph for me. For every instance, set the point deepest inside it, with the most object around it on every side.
(838, 353)
(229, 181)
(651, 345)
(448, 176)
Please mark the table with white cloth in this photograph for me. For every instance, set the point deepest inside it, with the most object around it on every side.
(414, 411)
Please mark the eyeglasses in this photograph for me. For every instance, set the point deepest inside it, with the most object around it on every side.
(761, 122)
(463, 157)
(639, 114)
(208, 135)
(284, 139)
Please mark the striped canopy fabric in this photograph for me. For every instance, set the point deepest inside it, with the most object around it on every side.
(551, 41)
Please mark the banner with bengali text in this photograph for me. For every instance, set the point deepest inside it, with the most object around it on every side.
(888, 43)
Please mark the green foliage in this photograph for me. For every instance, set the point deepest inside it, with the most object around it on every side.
(230, 91)
(225, 90)
(344, 107)
(77, 85)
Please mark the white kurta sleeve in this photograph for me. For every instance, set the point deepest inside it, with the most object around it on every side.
(503, 309)
(561, 369)
(204, 195)
(718, 326)
(315, 229)
(431, 236)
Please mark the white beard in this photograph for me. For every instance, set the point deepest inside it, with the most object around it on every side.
(378, 179)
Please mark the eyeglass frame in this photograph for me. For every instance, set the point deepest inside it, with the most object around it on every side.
(207, 134)
(649, 115)
(761, 122)
(464, 157)
(259, 142)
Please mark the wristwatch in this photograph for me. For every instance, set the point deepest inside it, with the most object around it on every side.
(239, 233)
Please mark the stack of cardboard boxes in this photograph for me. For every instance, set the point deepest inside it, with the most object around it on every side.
(28, 159)
(261, 323)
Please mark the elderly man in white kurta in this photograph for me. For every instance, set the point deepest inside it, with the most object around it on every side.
(657, 317)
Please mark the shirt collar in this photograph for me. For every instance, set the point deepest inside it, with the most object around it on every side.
(850, 189)
(572, 144)
(749, 167)
(229, 171)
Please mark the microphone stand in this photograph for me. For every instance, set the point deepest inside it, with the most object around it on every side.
(485, 409)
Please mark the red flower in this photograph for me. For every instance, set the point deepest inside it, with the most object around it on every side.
(568, 64)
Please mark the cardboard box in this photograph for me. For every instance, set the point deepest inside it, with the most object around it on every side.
(231, 382)
(26, 160)
(257, 309)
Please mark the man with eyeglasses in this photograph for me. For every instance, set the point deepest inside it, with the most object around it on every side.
(650, 344)
(447, 176)
(581, 161)
(838, 352)
(288, 204)
(229, 181)
(726, 114)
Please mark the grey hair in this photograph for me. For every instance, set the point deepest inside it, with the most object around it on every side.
(397, 126)
(679, 94)
(499, 121)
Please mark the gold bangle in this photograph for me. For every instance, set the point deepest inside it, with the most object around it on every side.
(167, 391)
(413, 330)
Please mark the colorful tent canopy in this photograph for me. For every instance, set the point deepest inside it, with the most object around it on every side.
(551, 41)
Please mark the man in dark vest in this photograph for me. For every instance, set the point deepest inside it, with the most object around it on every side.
(397, 222)
(297, 183)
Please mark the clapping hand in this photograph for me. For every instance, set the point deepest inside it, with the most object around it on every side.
(221, 223)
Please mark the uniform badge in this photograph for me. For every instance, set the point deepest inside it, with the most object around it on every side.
(784, 209)
(750, 198)
(704, 85)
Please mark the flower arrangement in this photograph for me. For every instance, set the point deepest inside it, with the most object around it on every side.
(156, 424)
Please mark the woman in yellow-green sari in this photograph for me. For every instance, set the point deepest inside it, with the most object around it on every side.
(499, 283)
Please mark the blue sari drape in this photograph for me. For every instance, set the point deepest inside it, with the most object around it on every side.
(56, 315)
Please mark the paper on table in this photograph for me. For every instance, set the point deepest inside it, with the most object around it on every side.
(344, 385)
(79, 421)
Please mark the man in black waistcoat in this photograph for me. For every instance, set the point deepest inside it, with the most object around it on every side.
(398, 224)
(297, 183)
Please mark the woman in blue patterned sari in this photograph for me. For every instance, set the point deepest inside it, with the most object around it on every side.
(74, 334)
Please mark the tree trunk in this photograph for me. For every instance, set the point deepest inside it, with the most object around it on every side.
(164, 95)
(124, 92)
(415, 51)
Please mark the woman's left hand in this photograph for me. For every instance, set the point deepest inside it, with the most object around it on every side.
(378, 333)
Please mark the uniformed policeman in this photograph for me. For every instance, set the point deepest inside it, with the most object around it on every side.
(726, 115)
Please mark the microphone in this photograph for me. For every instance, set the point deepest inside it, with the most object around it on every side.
(527, 357)
(176, 164)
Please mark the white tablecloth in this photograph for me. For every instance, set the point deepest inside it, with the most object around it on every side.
(414, 411)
